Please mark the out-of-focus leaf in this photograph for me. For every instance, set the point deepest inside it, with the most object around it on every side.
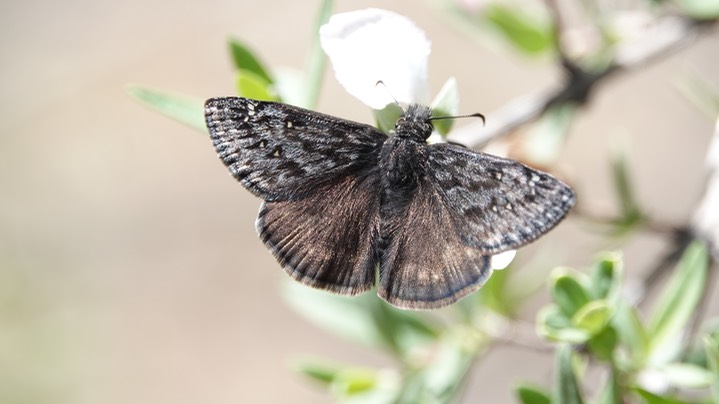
(593, 316)
(316, 63)
(446, 103)
(245, 60)
(290, 86)
(677, 302)
(651, 398)
(532, 395)
(631, 215)
(442, 378)
(525, 32)
(555, 326)
(711, 347)
(544, 141)
(602, 344)
(606, 276)
(700, 93)
(686, 375)
(183, 109)
(567, 390)
(253, 86)
(631, 333)
(365, 318)
(569, 295)
(318, 370)
(700, 9)
(387, 117)
(613, 391)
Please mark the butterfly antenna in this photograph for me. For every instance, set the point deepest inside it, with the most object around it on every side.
(380, 82)
(475, 115)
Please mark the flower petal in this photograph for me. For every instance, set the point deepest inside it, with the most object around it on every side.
(372, 45)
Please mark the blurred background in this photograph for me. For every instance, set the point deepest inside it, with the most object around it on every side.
(130, 271)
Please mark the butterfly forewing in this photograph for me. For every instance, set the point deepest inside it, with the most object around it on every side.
(280, 152)
(496, 204)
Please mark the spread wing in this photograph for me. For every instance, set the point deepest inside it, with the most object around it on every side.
(318, 177)
(280, 152)
(496, 204)
(466, 207)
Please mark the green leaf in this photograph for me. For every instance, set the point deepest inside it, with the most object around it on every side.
(387, 117)
(525, 32)
(568, 292)
(446, 103)
(606, 276)
(685, 375)
(318, 370)
(602, 344)
(677, 303)
(532, 395)
(700, 9)
(651, 398)
(631, 333)
(701, 94)
(631, 215)
(613, 391)
(545, 139)
(253, 86)
(555, 326)
(245, 60)
(711, 347)
(316, 63)
(365, 319)
(567, 390)
(593, 316)
(183, 109)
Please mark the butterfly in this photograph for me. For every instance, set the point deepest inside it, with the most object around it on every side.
(345, 204)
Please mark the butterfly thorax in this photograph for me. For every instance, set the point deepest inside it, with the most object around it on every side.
(415, 124)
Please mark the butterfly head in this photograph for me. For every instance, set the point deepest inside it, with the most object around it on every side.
(415, 123)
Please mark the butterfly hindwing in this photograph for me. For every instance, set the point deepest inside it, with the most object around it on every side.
(281, 152)
(326, 240)
(425, 263)
(496, 204)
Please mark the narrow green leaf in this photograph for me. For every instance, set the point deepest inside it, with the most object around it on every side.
(685, 375)
(593, 316)
(446, 103)
(525, 32)
(555, 326)
(253, 86)
(613, 391)
(244, 59)
(567, 390)
(365, 319)
(606, 276)
(677, 302)
(318, 370)
(544, 141)
(700, 9)
(568, 293)
(603, 343)
(316, 63)
(711, 347)
(532, 395)
(183, 109)
(631, 215)
(631, 333)
(387, 117)
(651, 398)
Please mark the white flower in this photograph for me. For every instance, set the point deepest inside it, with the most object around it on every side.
(372, 45)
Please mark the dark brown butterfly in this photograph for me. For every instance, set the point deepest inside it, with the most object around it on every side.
(343, 200)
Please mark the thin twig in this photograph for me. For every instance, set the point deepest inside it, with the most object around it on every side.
(668, 35)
